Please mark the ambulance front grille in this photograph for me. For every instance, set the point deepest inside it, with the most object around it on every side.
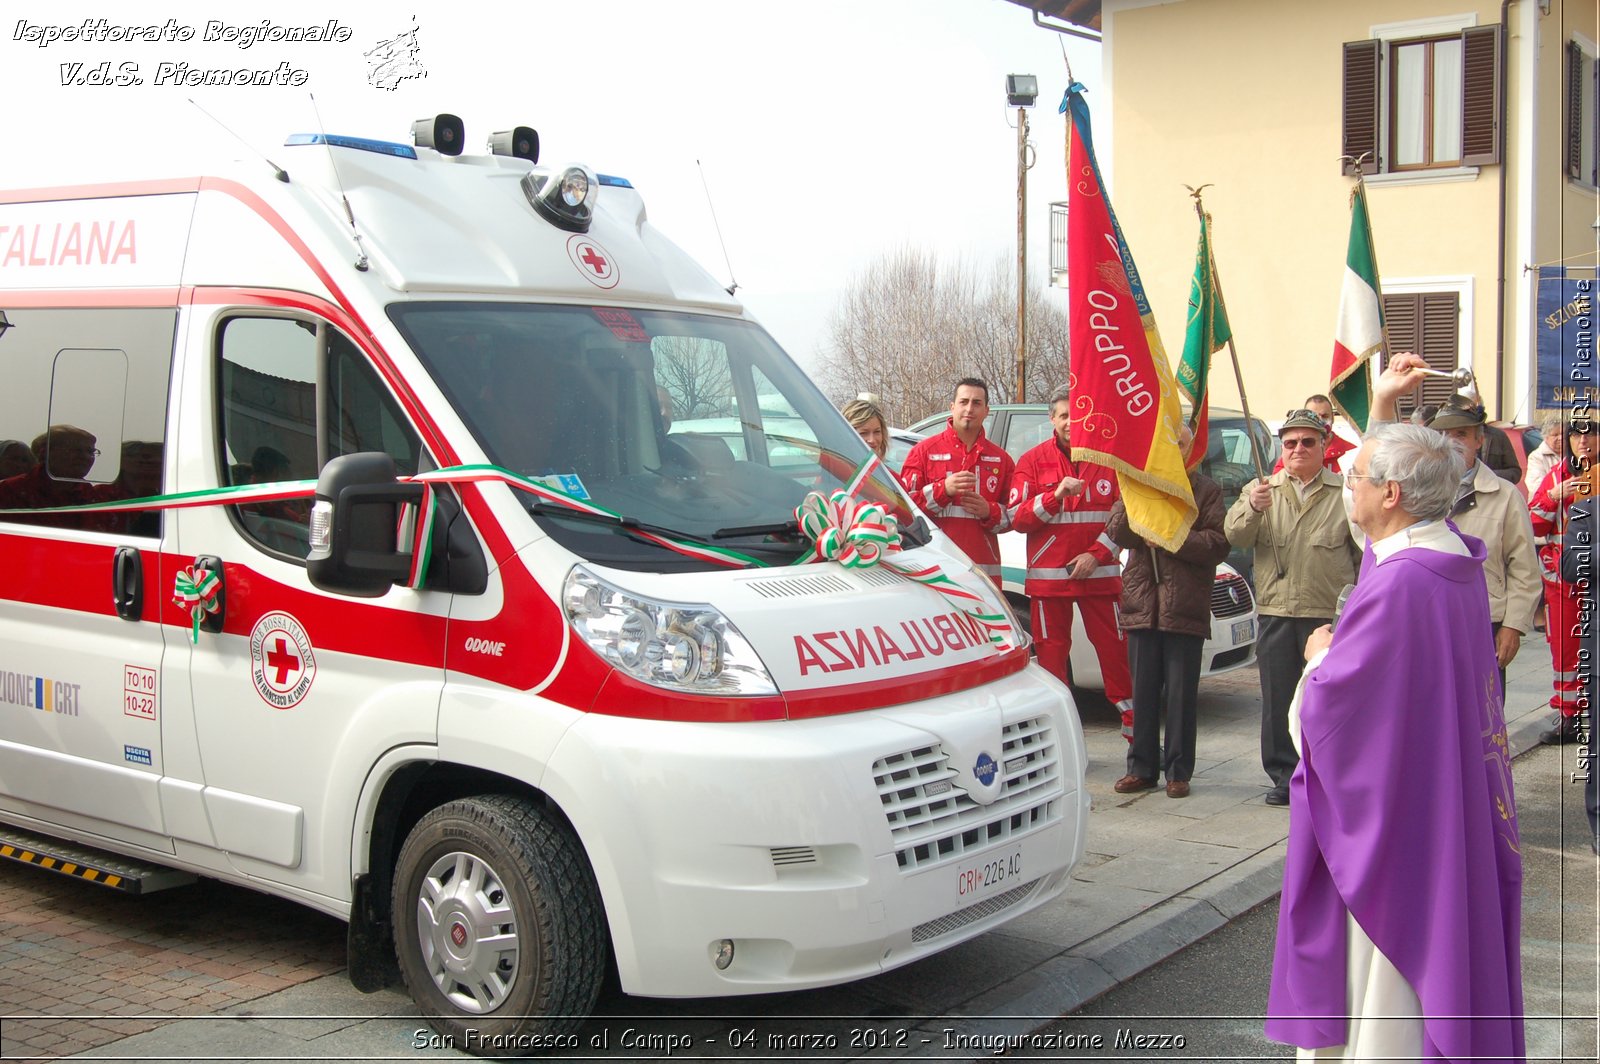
(800, 586)
(971, 914)
(932, 822)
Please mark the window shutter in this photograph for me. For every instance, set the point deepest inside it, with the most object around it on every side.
(1402, 324)
(1480, 95)
(1441, 346)
(1426, 324)
(1574, 110)
(1361, 60)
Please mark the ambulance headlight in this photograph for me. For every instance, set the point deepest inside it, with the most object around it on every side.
(564, 198)
(678, 645)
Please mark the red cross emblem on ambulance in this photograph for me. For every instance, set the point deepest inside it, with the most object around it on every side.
(596, 264)
(282, 664)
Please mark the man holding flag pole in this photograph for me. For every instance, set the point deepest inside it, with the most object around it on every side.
(1295, 520)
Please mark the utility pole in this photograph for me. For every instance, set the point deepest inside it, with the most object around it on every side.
(1022, 255)
(1021, 92)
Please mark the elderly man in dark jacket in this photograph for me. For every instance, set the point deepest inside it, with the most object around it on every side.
(1166, 613)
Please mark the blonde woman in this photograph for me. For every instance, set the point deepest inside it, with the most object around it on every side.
(868, 420)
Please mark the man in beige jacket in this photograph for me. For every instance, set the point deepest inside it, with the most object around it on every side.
(1304, 557)
(1491, 509)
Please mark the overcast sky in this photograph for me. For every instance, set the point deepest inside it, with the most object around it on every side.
(828, 132)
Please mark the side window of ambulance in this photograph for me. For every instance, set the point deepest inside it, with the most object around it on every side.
(83, 416)
(277, 426)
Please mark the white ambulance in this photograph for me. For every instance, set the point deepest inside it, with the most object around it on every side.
(347, 553)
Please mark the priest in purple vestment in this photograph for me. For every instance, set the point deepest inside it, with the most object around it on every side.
(1403, 880)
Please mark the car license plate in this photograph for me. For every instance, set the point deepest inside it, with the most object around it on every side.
(986, 875)
(1243, 631)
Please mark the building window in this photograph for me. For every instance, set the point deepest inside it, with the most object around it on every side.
(1422, 102)
(1426, 324)
(1583, 116)
(1425, 103)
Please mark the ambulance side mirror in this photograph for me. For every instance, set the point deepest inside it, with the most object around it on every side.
(354, 548)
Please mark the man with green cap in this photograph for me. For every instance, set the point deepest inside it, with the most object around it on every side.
(1489, 507)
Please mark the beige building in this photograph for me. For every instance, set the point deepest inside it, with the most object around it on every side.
(1479, 119)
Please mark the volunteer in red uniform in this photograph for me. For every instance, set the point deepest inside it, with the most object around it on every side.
(961, 478)
(1063, 506)
(1570, 481)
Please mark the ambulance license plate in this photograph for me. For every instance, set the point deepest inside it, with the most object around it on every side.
(1243, 631)
(988, 874)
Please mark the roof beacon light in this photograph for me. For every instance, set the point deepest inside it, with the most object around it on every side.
(564, 198)
(445, 134)
(519, 143)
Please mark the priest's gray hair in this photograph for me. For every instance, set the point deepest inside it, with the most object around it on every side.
(1424, 463)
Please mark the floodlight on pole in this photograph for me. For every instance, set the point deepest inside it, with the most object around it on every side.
(1021, 92)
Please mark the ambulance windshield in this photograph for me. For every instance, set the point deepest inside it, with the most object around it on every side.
(690, 427)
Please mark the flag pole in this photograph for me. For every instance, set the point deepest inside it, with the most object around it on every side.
(1233, 355)
(1238, 374)
(1383, 324)
(1338, 380)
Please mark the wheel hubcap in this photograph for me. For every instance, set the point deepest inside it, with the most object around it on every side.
(468, 932)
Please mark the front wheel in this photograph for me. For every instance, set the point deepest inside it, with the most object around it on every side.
(498, 925)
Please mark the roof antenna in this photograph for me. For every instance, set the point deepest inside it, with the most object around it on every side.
(361, 262)
(277, 171)
(735, 285)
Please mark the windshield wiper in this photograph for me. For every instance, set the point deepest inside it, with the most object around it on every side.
(622, 521)
(916, 532)
(790, 527)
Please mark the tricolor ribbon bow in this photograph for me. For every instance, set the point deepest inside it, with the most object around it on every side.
(855, 534)
(196, 591)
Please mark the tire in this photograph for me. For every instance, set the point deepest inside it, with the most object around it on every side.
(498, 925)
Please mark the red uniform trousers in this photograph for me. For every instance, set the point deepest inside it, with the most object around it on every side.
(1563, 628)
(1052, 643)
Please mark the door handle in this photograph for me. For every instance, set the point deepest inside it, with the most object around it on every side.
(212, 620)
(127, 583)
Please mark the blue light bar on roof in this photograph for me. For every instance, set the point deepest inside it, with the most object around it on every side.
(614, 182)
(382, 147)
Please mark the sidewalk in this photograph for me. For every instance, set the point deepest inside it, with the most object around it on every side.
(1158, 875)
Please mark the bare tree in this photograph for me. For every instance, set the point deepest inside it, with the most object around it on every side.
(908, 328)
(695, 374)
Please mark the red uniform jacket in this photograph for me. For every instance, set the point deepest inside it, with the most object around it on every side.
(1549, 518)
(924, 472)
(1061, 529)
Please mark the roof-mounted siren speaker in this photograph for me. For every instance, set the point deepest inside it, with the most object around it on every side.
(521, 142)
(445, 134)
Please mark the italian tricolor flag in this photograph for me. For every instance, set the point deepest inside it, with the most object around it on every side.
(1359, 332)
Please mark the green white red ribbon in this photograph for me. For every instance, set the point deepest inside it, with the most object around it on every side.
(855, 534)
(250, 494)
(196, 591)
(859, 535)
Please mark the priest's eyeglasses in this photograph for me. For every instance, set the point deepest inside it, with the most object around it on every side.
(1350, 478)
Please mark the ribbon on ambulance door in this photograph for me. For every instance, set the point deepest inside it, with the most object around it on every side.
(196, 591)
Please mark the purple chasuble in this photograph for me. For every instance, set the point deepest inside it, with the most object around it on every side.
(1401, 814)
